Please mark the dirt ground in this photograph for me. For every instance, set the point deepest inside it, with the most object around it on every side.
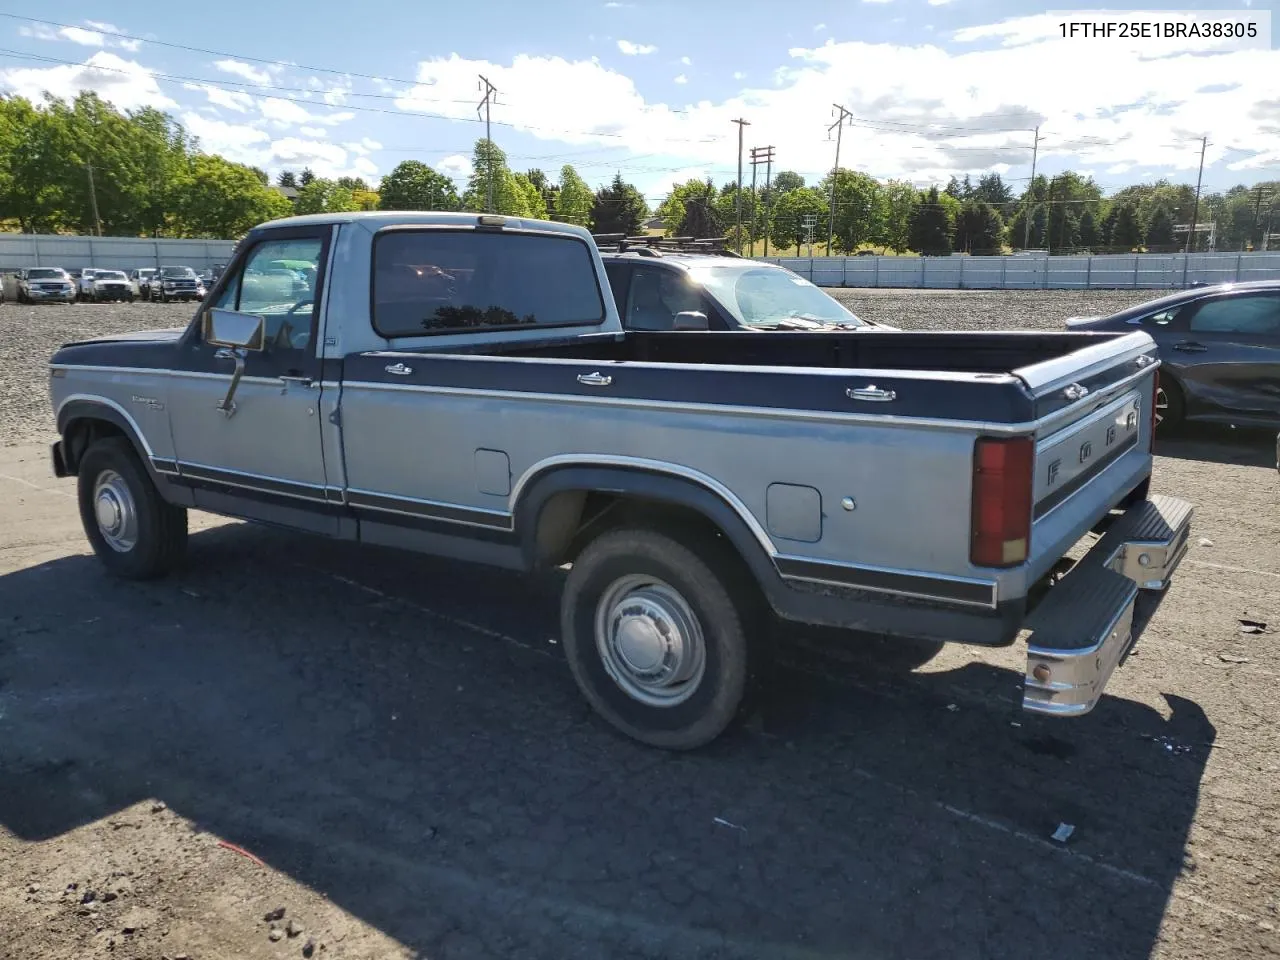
(391, 749)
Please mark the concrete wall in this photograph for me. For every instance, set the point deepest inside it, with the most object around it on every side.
(1122, 271)
(20, 250)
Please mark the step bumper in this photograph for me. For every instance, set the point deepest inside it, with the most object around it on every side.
(1084, 628)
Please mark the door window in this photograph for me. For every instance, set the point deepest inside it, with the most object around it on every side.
(278, 282)
(657, 295)
(1256, 315)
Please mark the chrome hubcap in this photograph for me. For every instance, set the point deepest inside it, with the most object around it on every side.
(115, 511)
(650, 641)
(1162, 405)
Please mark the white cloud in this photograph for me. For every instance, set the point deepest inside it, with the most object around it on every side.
(125, 83)
(455, 166)
(246, 143)
(877, 1)
(739, 75)
(680, 79)
(94, 33)
(1128, 114)
(940, 3)
(229, 99)
(819, 27)
(686, 61)
(313, 131)
(364, 146)
(287, 113)
(635, 49)
(86, 38)
(246, 71)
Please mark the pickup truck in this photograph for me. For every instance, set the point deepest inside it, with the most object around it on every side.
(460, 384)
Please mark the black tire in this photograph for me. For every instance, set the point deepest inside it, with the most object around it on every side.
(1175, 405)
(721, 605)
(159, 529)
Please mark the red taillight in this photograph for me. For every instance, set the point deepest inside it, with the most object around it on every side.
(1155, 393)
(1002, 486)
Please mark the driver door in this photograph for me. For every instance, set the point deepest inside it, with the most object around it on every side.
(267, 453)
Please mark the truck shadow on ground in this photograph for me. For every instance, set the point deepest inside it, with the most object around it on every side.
(326, 707)
(1216, 443)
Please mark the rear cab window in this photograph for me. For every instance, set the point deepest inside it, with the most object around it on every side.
(438, 281)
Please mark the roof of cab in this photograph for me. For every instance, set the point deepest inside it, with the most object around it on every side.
(689, 261)
(375, 219)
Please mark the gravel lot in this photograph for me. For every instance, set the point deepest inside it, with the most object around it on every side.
(399, 746)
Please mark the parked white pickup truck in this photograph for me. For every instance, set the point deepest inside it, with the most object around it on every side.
(460, 384)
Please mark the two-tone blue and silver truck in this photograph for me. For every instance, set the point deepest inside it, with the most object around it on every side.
(460, 384)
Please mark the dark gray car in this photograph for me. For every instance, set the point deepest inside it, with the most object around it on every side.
(1220, 351)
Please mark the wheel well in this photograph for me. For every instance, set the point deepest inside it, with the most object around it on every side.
(81, 434)
(571, 519)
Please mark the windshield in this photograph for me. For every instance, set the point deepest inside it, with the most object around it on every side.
(768, 295)
(43, 274)
(178, 273)
(109, 275)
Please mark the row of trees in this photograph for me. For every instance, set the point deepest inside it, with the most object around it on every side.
(1064, 213)
(83, 166)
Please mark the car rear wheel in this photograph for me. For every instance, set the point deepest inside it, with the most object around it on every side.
(657, 635)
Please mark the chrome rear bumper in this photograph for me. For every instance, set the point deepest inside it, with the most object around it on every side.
(1084, 628)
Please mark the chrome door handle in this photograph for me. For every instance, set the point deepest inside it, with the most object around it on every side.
(1076, 392)
(226, 353)
(594, 379)
(872, 393)
(301, 381)
(398, 369)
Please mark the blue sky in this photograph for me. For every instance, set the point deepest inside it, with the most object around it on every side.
(649, 87)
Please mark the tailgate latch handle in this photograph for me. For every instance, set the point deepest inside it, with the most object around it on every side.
(872, 393)
(1076, 392)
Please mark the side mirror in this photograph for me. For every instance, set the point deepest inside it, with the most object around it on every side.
(239, 331)
(690, 320)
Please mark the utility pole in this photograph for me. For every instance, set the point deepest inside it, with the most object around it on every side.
(1035, 153)
(1195, 208)
(93, 201)
(489, 91)
(768, 207)
(737, 200)
(755, 207)
(838, 126)
(761, 155)
(809, 222)
(1048, 226)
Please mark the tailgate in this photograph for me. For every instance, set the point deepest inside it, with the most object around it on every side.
(1094, 428)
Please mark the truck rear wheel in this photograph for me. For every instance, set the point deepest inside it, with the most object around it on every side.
(656, 641)
(133, 531)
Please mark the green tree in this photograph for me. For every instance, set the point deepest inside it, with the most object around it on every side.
(325, 196)
(1126, 228)
(979, 228)
(859, 205)
(790, 213)
(784, 181)
(489, 164)
(992, 189)
(305, 177)
(532, 200)
(932, 226)
(574, 198)
(412, 185)
(1160, 230)
(693, 209)
(354, 184)
(1090, 233)
(287, 178)
(217, 198)
(619, 208)
(899, 203)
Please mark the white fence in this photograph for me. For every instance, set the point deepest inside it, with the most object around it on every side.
(1121, 271)
(21, 250)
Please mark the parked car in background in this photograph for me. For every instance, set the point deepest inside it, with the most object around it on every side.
(1219, 347)
(176, 283)
(46, 284)
(656, 290)
(141, 279)
(84, 282)
(108, 285)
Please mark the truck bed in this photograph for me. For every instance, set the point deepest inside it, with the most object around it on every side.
(1001, 378)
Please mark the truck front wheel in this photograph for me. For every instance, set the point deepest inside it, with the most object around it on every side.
(133, 531)
(655, 638)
